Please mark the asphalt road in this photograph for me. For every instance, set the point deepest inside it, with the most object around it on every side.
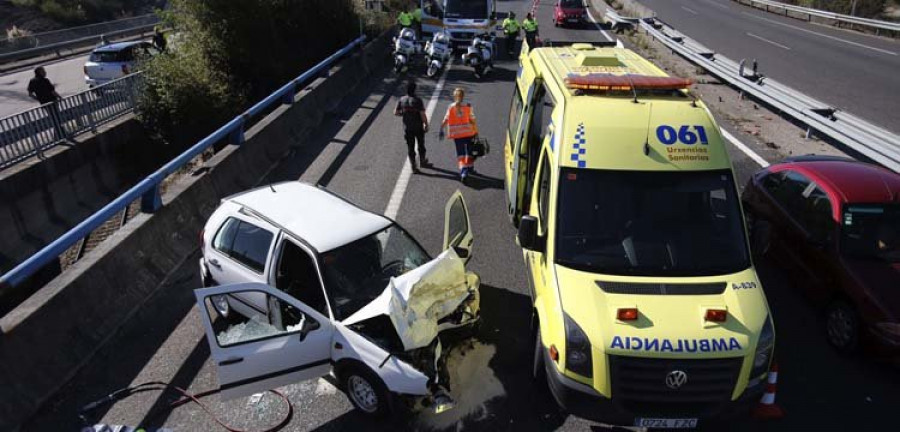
(68, 75)
(359, 154)
(855, 72)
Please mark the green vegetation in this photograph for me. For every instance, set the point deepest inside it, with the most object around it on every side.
(73, 12)
(225, 55)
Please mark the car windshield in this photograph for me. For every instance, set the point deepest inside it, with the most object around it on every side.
(871, 232)
(358, 272)
(650, 223)
(467, 9)
(571, 4)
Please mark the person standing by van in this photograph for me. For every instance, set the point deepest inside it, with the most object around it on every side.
(530, 26)
(461, 127)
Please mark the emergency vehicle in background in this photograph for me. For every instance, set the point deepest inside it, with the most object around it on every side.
(647, 309)
(463, 19)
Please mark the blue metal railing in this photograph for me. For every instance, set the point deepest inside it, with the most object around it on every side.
(147, 190)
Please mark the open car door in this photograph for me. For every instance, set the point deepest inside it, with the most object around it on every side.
(457, 229)
(284, 344)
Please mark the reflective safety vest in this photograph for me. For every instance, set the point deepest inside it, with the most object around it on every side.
(405, 19)
(510, 26)
(417, 15)
(530, 25)
(459, 122)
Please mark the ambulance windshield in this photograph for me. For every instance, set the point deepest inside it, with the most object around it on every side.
(641, 223)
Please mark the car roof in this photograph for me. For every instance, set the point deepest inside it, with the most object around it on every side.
(852, 181)
(317, 216)
(118, 46)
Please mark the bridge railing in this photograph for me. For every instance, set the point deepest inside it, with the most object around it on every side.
(47, 42)
(32, 132)
(809, 12)
(148, 189)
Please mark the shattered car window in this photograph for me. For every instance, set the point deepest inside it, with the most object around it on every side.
(282, 319)
(357, 273)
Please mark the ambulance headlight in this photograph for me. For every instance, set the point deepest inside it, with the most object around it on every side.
(578, 349)
(764, 349)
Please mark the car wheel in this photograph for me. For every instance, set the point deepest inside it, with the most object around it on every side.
(366, 391)
(221, 305)
(842, 326)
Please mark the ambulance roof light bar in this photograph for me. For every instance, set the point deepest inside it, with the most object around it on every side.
(627, 82)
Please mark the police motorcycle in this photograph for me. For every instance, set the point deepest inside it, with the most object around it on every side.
(480, 54)
(437, 52)
(405, 47)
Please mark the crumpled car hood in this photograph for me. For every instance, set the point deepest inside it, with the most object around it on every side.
(417, 300)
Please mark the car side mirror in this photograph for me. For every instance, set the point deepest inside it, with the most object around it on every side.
(528, 234)
(307, 325)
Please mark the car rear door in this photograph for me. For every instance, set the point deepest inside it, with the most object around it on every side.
(240, 253)
(288, 344)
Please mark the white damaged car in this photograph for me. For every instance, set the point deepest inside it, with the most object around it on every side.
(301, 283)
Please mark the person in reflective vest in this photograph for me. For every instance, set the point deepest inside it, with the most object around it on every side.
(405, 19)
(462, 129)
(417, 19)
(531, 30)
(511, 28)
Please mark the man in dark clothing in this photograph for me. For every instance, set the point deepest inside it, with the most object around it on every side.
(415, 124)
(41, 89)
(159, 39)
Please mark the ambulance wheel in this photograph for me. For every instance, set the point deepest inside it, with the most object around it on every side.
(366, 391)
(842, 326)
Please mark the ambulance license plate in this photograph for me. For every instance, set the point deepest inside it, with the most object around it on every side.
(683, 423)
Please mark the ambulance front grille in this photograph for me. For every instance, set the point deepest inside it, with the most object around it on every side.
(639, 385)
(662, 288)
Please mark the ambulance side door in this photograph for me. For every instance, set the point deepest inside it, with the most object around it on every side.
(519, 122)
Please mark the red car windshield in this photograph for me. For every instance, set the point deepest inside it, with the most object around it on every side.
(871, 232)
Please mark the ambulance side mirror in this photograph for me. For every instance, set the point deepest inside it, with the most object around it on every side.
(528, 234)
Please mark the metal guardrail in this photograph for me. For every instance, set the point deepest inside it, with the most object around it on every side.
(849, 19)
(39, 129)
(72, 33)
(74, 43)
(878, 144)
(148, 189)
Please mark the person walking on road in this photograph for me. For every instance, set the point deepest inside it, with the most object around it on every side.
(462, 129)
(41, 89)
(415, 124)
(531, 30)
(511, 29)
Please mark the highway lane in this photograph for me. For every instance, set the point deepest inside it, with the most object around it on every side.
(68, 75)
(848, 70)
(359, 154)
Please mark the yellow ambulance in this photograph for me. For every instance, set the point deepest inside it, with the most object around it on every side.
(647, 307)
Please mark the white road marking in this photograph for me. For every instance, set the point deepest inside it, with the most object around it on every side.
(743, 147)
(768, 41)
(822, 34)
(393, 207)
(690, 10)
(717, 4)
(593, 20)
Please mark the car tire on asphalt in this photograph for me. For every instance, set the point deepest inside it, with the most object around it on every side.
(842, 326)
(366, 391)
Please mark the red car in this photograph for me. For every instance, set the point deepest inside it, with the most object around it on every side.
(834, 223)
(569, 12)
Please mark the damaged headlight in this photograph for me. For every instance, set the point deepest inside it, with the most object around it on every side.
(764, 349)
(578, 349)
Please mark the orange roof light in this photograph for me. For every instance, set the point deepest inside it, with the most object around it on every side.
(716, 315)
(627, 82)
(627, 314)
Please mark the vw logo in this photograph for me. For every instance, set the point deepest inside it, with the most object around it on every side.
(676, 379)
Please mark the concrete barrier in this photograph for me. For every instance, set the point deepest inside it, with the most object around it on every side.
(42, 199)
(50, 336)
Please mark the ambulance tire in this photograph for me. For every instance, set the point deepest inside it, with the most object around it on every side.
(538, 373)
(366, 391)
(842, 326)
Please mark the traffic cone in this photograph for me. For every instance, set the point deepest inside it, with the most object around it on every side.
(766, 409)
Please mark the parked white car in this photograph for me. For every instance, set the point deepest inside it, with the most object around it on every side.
(114, 61)
(310, 284)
